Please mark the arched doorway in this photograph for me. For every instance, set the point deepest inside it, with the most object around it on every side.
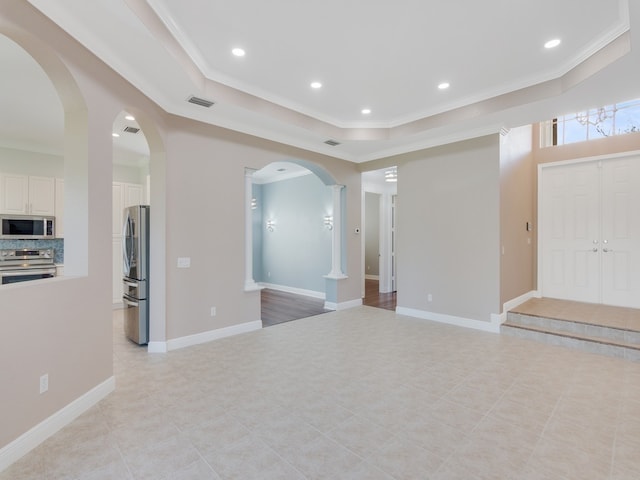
(139, 163)
(294, 223)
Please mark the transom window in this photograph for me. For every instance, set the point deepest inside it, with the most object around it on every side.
(601, 122)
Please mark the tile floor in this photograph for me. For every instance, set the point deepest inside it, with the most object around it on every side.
(357, 394)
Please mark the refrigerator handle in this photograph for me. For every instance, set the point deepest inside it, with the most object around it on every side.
(125, 254)
(130, 303)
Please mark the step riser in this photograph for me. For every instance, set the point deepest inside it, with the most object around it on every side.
(583, 345)
(614, 334)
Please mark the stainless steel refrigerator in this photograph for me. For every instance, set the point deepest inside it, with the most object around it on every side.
(135, 255)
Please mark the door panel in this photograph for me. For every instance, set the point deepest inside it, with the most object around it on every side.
(570, 216)
(621, 232)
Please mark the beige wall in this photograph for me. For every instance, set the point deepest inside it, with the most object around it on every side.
(517, 198)
(448, 229)
(63, 327)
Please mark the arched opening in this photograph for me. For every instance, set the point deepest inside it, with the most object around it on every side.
(295, 223)
(42, 137)
(137, 152)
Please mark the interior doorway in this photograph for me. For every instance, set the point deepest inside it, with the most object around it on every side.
(379, 199)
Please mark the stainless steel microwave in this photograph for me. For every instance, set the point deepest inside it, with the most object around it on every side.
(26, 227)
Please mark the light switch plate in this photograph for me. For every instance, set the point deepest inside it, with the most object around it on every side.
(184, 262)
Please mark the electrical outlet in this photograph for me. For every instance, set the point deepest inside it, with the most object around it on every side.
(213, 311)
(44, 383)
(184, 262)
(429, 297)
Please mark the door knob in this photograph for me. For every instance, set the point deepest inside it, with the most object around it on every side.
(607, 250)
(595, 249)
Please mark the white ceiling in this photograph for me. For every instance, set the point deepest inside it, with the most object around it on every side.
(383, 55)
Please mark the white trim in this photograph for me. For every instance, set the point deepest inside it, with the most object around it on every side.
(204, 337)
(297, 291)
(493, 326)
(157, 347)
(343, 305)
(49, 426)
(514, 302)
(372, 277)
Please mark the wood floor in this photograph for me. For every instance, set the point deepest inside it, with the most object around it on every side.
(279, 307)
(373, 297)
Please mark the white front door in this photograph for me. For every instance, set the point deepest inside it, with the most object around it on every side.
(621, 232)
(590, 233)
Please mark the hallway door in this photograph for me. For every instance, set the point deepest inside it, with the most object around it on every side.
(590, 234)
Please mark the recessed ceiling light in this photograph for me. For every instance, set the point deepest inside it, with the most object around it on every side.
(444, 85)
(552, 43)
(366, 111)
(316, 85)
(130, 118)
(114, 134)
(238, 52)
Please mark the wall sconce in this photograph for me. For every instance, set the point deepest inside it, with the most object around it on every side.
(328, 222)
(254, 203)
(271, 225)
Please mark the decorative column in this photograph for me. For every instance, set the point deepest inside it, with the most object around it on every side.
(249, 282)
(336, 239)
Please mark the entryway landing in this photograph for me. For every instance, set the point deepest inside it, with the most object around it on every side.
(603, 329)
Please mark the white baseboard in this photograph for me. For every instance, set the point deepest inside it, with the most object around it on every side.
(49, 426)
(514, 302)
(297, 291)
(204, 337)
(492, 326)
(157, 347)
(343, 305)
(372, 277)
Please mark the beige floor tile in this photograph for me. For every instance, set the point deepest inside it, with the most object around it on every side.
(355, 394)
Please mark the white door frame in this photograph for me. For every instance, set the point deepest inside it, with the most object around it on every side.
(542, 166)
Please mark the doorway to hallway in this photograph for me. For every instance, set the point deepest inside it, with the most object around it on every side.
(374, 298)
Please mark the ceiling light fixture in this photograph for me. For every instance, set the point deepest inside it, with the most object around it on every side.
(444, 85)
(131, 118)
(115, 135)
(316, 85)
(552, 43)
(391, 175)
(366, 111)
(238, 52)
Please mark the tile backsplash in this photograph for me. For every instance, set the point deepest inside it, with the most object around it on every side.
(57, 244)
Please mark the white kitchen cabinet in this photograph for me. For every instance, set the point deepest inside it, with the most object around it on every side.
(133, 194)
(59, 208)
(22, 194)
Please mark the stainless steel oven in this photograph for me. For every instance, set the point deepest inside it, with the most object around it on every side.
(22, 265)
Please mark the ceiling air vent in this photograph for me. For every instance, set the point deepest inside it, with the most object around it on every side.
(200, 101)
(332, 143)
(131, 129)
